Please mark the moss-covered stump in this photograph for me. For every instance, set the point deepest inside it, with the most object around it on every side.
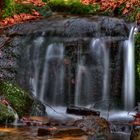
(6, 116)
(19, 99)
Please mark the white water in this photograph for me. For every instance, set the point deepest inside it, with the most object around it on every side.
(10, 109)
(93, 77)
(53, 74)
(59, 113)
(129, 71)
(82, 85)
(100, 50)
(34, 80)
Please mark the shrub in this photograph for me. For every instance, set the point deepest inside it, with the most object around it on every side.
(72, 7)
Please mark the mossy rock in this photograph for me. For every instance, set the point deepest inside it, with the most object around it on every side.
(20, 100)
(6, 116)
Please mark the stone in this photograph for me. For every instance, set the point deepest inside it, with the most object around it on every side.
(72, 26)
(92, 125)
(81, 111)
(61, 132)
(38, 109)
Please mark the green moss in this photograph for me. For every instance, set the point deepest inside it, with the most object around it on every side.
(72, 7)
(18, 98)
(137, 58)
(6, 116)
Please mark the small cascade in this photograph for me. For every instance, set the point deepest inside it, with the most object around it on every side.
(36, 64)
(82, 85)
(129, 71)
(82, 93)
(16, 119)
(53, 75)
(15, 115)
(101, 55)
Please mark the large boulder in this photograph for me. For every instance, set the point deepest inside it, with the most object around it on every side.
(93, 125)
(18, 43)
(72, 26)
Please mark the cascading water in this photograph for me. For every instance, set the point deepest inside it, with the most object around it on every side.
(53, 75)
(93, 78)
(36, 64)
(101, 55)
(129, 71)
(48, 79)
(82, 85)
(96, 74)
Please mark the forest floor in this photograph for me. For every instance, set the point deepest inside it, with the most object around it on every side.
(22, 17)
(127, 7)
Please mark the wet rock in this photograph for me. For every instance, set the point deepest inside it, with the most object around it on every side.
(81, 111)
(72, 26)
(38, 109)
(73, 30)
(92, 125)
(8, 58)
(34, 121)
(113, 26)
(61, 132)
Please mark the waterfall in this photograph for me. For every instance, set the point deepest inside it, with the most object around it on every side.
(37, 43)
(101, 54)
(82, 81)
(82, 85)
(93, 78)
(94, 70)
(129, 71)
(52, 84)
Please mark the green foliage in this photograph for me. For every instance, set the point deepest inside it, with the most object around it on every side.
(44, 11)
(18, 98)
(23, 8)
(16, 8)
(8, 8)
(72, 7)
(5, 114)
(12, 8)
(131, 16)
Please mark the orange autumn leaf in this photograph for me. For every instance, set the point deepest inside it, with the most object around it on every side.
(125, 11)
